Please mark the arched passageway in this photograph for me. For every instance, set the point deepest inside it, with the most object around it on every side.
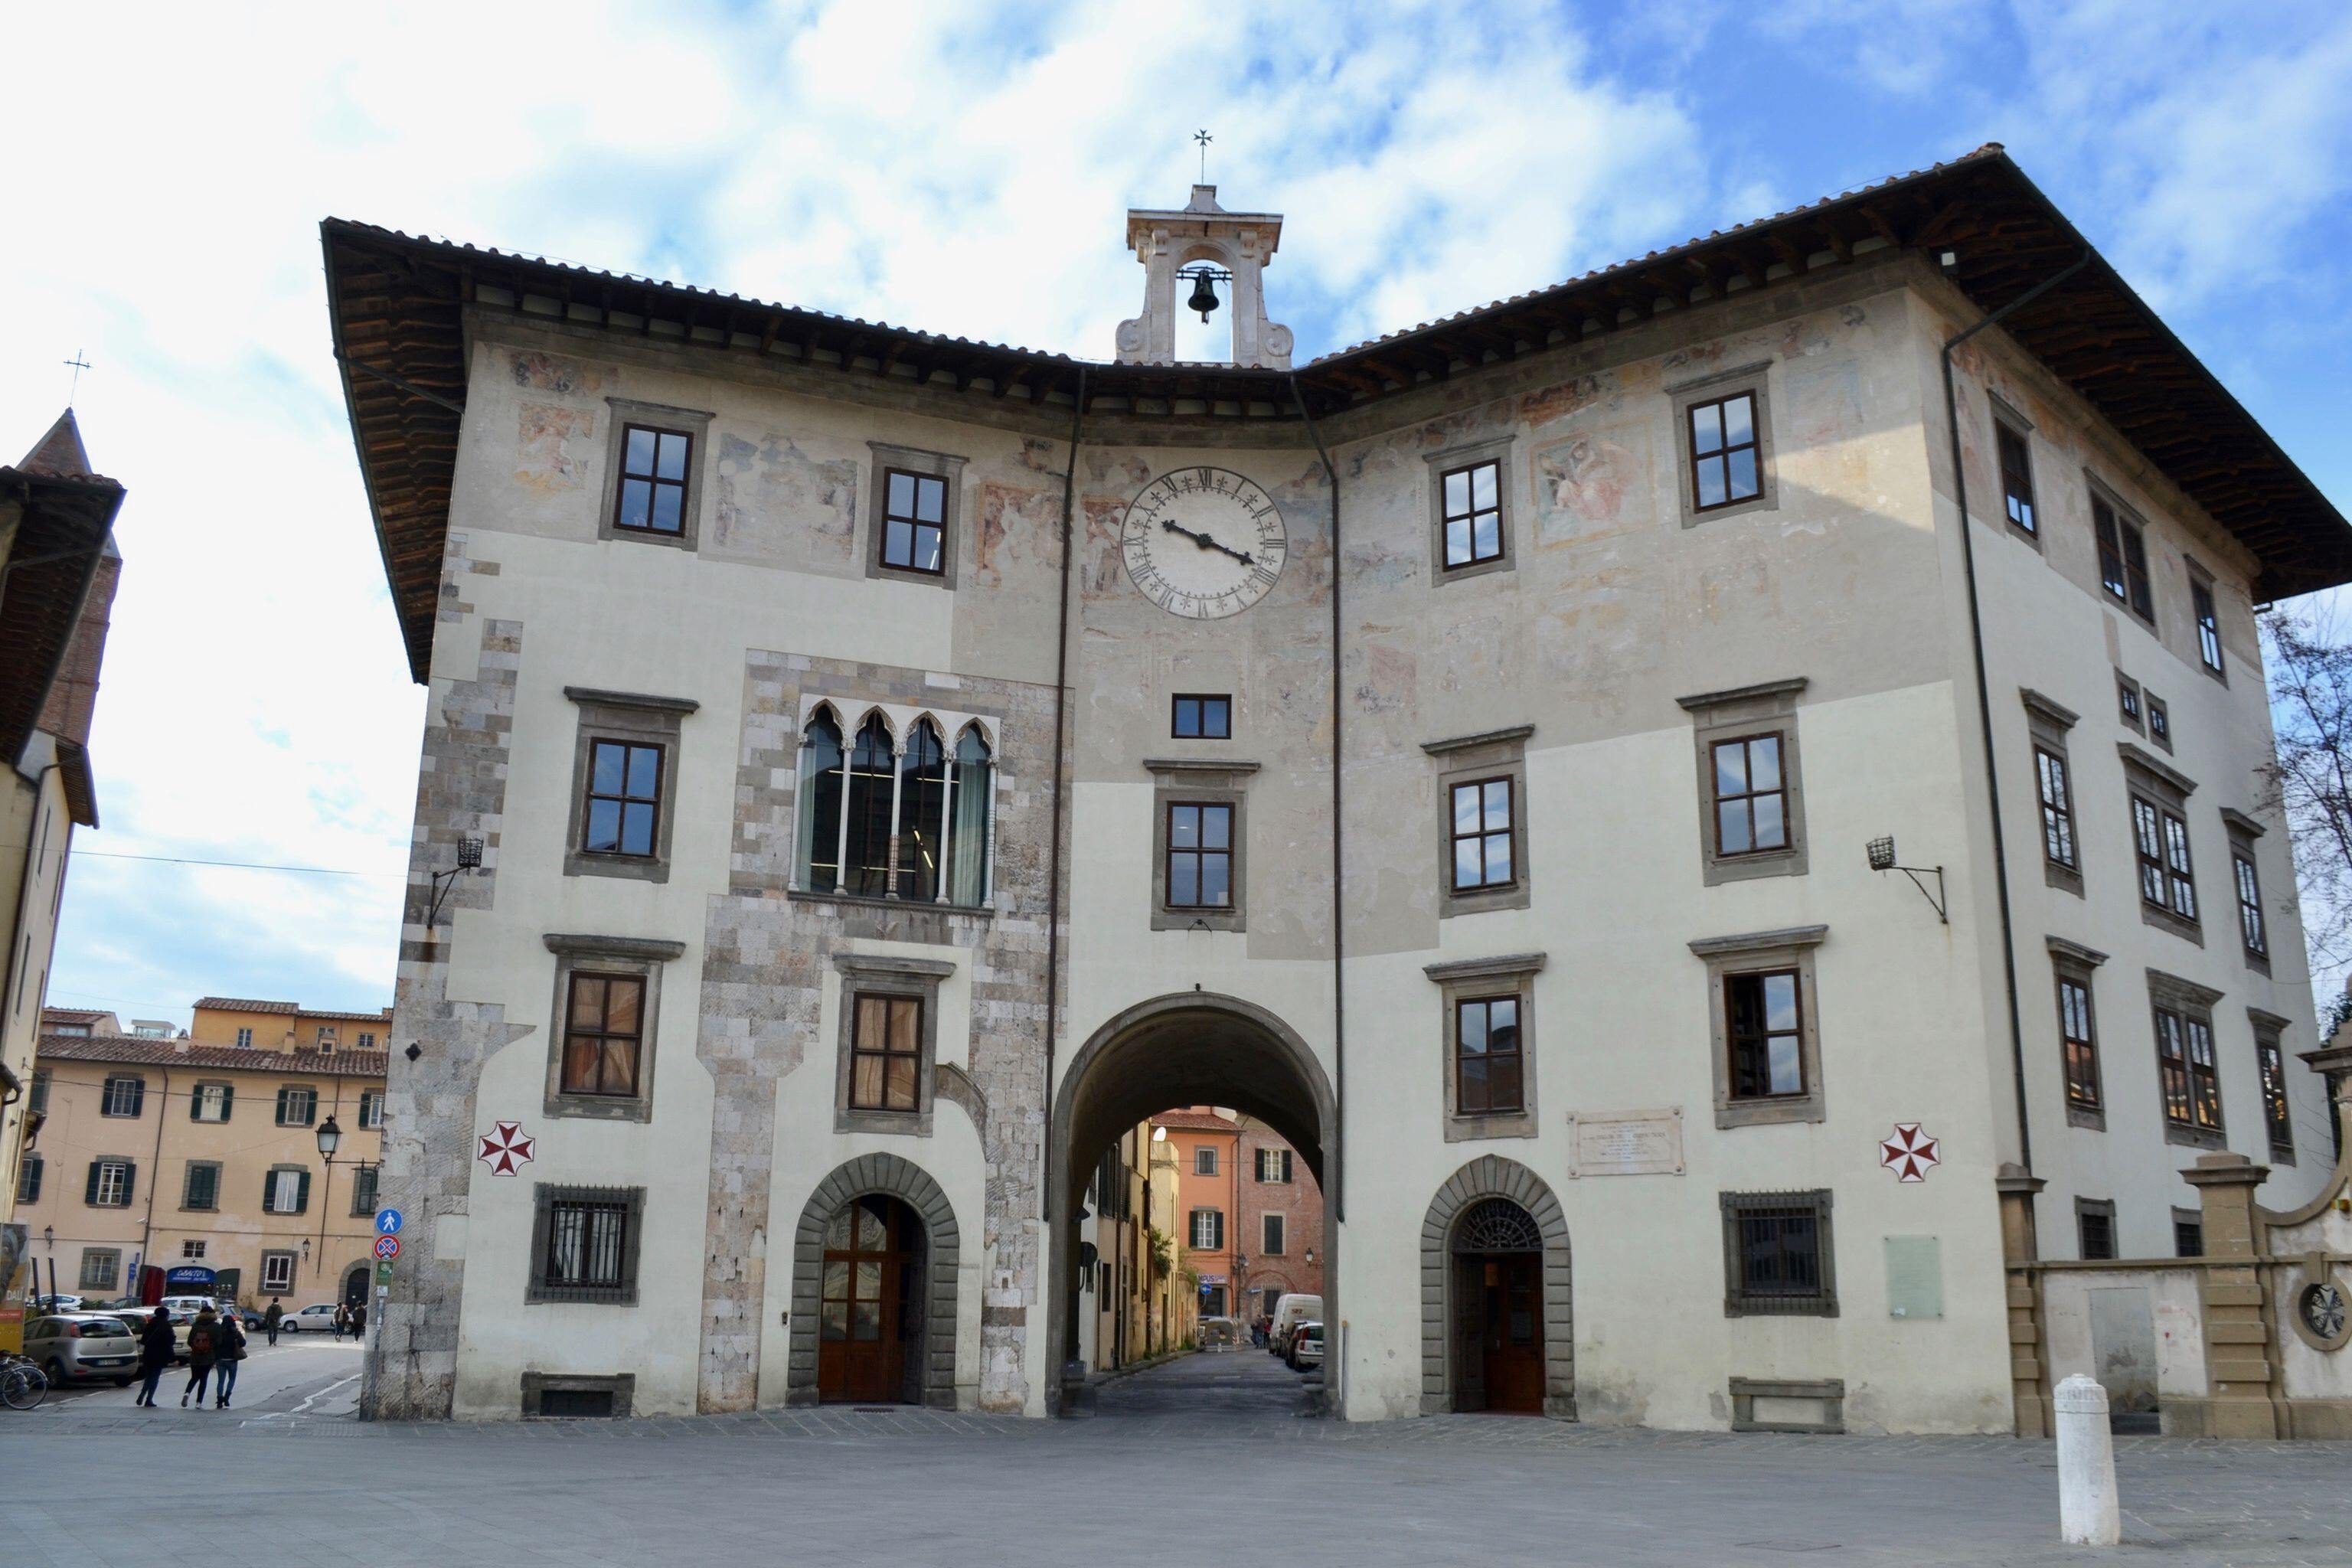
(1187, 1049)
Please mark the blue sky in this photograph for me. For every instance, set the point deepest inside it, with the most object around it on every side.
(961, 166)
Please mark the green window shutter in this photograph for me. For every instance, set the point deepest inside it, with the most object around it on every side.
(302, 1194)
(90, 1188)
(130, 1183)
(282, 1093)
(196, 1104)
(228, 1099)
(269, 1191)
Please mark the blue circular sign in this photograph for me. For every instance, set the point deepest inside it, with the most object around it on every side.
(387, 1222)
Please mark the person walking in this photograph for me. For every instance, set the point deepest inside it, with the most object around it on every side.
(230, 1348)
(204, 1341)
(272, 1317)
(342, 1319)
(157, 1350)
(358, 1320)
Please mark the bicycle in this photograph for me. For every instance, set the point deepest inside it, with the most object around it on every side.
(23, 1385)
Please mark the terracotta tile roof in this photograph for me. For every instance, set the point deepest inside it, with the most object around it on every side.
(1195, 1121)
(245, 1004)
(71, 1015)
(126, 1050)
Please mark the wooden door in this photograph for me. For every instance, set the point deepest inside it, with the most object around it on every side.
(1510, 1338)
(872, 1263)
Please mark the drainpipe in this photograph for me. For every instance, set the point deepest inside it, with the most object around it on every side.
(1984, 698)
(1336, 1188)
(154, 1175)
(1045, 1200)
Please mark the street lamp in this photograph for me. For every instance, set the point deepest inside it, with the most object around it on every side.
(331, 1138)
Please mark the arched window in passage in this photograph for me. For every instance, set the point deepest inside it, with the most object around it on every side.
(940, 800)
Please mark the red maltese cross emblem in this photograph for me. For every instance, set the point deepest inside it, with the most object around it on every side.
(1910, 1153)
(505, 1149)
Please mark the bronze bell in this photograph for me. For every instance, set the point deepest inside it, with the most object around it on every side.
(1205, 295)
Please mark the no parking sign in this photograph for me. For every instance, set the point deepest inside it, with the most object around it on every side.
(387, 1247)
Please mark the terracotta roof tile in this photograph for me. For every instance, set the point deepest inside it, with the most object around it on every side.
(1195, 1121)
(126, 1050)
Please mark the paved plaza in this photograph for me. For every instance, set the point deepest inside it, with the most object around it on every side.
(1206, 1437)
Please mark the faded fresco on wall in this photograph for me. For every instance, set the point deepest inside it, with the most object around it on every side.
(1594, 484)
(1013, 522)
(555, 373)
(551, 446)
(777, 505)
(1824, 430)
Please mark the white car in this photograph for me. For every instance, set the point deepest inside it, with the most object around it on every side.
(317, 1320)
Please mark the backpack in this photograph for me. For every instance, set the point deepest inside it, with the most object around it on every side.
(200, 1340)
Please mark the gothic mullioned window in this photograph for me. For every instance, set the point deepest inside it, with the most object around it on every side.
(882, 818)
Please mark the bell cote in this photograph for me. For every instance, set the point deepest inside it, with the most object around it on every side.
(1219, 258)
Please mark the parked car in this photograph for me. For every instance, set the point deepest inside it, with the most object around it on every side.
(1305, 1347)
(249, 1316)
(1292, 1308)
(62, 1302)
(83, 1347)
(313, 1320)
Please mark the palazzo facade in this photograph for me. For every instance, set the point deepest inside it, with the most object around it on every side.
(867, 773)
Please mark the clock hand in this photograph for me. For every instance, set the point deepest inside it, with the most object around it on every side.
(1205, 543)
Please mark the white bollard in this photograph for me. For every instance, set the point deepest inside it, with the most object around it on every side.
(2088, 1514)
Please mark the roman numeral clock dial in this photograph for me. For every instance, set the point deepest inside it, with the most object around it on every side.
(1203, 544)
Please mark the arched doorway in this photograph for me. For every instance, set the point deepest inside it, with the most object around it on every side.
(874, 1288)
(1188, 1048)
(356, 1284)
(1496, 1327)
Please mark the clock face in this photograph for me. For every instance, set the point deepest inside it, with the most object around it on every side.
(1203, 544)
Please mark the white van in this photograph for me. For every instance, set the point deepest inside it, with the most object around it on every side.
(1291, 1311)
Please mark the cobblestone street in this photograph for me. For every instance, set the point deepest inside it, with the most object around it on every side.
(292, 1490)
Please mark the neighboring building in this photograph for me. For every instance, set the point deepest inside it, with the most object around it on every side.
(1114, 1293)
(1172, 1307)
(1576, 659)
(58, 575)
(197, 1151)
(1280, 1228)
(1208, 1201)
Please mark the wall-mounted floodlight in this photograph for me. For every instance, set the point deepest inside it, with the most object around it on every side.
(1882, 858)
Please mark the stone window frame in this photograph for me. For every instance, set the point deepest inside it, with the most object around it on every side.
(2072, 962)
(2131, 704)
(112, 1273)
(301, 1188)
(2243, 830)
(917, 460)
(2167, 790)
(2006, 415)
(638, 956)
(1737, 1300)
(1204, 1159)
(1206, 782)
(1470, 759)
(2159, 720)
(2195, 1220)
(2100, 1208)
(545, 1196)
(629, 718)
(1791, 948)
(2131, 529)
(2047, 722)
(2201, 585)
(537, 1386)
(1495, 449)
(850, 716)
(2270, 1032)
(187, 1186)
(2191, 1002)
(2317, 1271)
(694, 422)
(1740, 712)
(883, 974)
(1755, 379)
(261, 1274)
(1509, 976)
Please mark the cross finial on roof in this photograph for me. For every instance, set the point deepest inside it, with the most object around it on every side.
(1203, 137)
(80, 364)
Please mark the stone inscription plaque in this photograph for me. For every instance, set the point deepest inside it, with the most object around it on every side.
(1626, 1144)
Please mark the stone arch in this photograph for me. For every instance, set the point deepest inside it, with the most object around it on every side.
(1492, 1176)
(1189, 1048)
(942, 1248)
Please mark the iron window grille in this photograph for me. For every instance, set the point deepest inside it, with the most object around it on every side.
(1200, 855)
(2016, 474)
(914, 520)
(1496, 1224)
(2096, 1227)
(126, 1095)
(2250, 907)
(2188, 1238)
(1726, 462)
(2122, 559)
(1764, 1029)
(652, 495)
(1200, 717)
(1482, 836)
(2057, 808)
(584, 1245)
(2079, 1043)
(1751, 800)
(604, 1031)
(297, 1106)
(1489, 1073)
(624, 784)
(1471, 512)
(2187, 1071)
(2209, 623)
(885, 1054)
(1778, 1255)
